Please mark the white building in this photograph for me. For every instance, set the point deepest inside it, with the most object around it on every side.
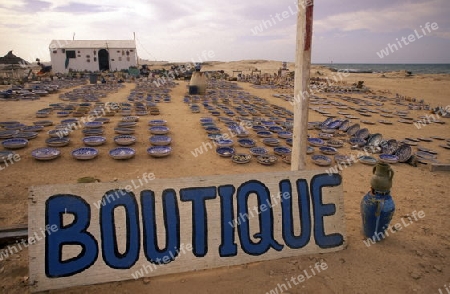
(92, 55)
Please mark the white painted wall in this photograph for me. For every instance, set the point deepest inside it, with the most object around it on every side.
(87, 60)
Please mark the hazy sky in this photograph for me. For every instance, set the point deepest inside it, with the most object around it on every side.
(345, 31)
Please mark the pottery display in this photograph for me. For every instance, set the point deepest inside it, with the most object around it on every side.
(266, 159)
(241, 158)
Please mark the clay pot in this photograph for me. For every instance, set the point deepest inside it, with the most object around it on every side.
(382, 177)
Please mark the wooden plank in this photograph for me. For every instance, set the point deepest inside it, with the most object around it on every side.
(439, 167)
(301, 84)
(219, 220)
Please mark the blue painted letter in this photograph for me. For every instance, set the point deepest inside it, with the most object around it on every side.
(74, 234)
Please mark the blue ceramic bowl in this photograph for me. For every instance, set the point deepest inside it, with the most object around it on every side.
(258, 128)
(159, 151)
(33, 129)
(225, 151)
(57, 142)
(44, 123)
(224, 142)
(284, 135)
(85, 153)
(93, 124)
(271, 142)
(124, 131)
(122, 153)
(289, 141)
(388, 158)
(157, 122)
(45, 153)
(264, 134)
(6, 154)
(124, 140)
(316, 142)
(212, 130)
(160, 140)
(276, 129)
(246, 143)
(357, 141)
(321, 160)
(15, 143)
(282, 150)
(328, 150)
(310, 150)
(94, 140)
(369, 160)
(26, 135)
(258, 151)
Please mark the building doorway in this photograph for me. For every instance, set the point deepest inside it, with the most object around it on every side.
(103, 59)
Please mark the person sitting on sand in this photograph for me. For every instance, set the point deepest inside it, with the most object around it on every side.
(45, 70)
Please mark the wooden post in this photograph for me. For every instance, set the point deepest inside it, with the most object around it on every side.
(301, 84)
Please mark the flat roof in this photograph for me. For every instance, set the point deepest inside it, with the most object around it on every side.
(94, 44)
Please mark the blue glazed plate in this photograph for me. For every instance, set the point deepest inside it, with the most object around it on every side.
(225, 151)
(289, 141)
(321, 160)
(94, 140)
(160, 140)
(45, 153)
(33, 129)
(157, 122)
(57, 142)
(388, 158)
(26, 135)
(264, 134)
(362, 133)
(258, 151)
(85, 153)
(357, 141)
(310, 150)
(44, 123)
(271, 142)
(258, 128)
(104, 120)
(93, 124)
(122, 153)
(92, 132)
(159, 151)
(328, 150)
(212, 130)
(246, 143)
(282, 150)
(124, 131)
(284, 135)
(369, 160)
(316, 142)
(15, 143)
(224, 142)
(130, 118)
(124, 140)
(343, 159)
(276, 129)
(69, 121)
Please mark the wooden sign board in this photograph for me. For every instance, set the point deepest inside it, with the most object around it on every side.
(100, 232)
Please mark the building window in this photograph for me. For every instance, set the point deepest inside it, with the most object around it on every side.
(54, 51)
(120, 58)
(88, 56)
(128, 58)
(70, 54)
(95, 58)
(131, 50)
(128, 52)
(88, 60)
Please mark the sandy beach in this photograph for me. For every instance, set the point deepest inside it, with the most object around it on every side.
(413, 260)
